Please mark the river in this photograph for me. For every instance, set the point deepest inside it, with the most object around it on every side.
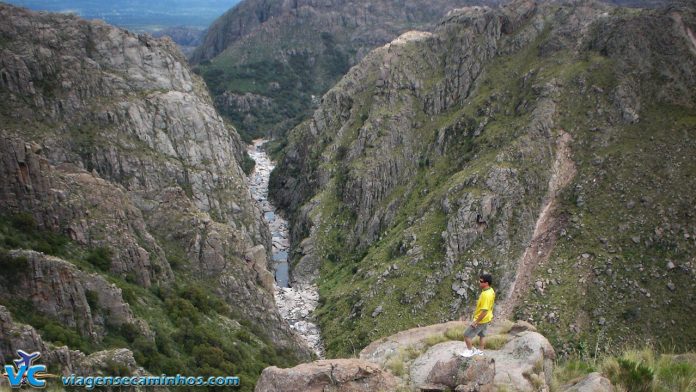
(296, 304)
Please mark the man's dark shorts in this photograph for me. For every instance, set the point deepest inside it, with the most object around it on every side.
(480, 330)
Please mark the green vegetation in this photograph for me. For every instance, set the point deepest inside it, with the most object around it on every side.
(21, 231)
(195, 331)
(635, 370)
(629, 216)
(247, 164)
(100, 258)
(289, 85)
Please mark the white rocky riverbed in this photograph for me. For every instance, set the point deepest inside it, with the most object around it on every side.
(296, 304)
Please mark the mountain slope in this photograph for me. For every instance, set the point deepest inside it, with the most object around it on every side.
(268, 62)
(117, 167)
(439, 157)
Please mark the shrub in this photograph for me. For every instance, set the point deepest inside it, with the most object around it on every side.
(24, 222)
(92, 300)
(248, 164)
(204, 301)
(634, 376)
(12, 267)
(61, 335)
(129, 295)
(100, 257)
(181, 309)
(673, 375)
(113, 368)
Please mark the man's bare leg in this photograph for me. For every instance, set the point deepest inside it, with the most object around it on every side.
(468, 342)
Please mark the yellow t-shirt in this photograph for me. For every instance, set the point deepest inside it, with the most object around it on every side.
(485, 302)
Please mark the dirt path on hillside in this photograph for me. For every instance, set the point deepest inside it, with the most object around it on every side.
(546, 230)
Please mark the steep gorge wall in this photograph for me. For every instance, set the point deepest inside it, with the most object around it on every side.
(109, 140)
(431, 160)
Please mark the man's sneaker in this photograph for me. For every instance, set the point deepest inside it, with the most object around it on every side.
(477, 352)
(467, 353)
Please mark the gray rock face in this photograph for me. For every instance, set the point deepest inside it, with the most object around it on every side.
(526, 356)
(109, 138)
(594, 382)
(464, 374)
(299, 50)
(389, 147)
(341, 375)
(124, 105)
(72, 201)
(438, 151)
(442, 365)
(18, 336)
(58, 289)
(359, 18)
(243, 103)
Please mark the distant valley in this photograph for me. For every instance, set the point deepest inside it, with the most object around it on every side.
(138, 15)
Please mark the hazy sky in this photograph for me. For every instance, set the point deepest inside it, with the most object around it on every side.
(138, 14)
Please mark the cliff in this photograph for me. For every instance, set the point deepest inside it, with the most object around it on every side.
(117, 169)
(546, 143)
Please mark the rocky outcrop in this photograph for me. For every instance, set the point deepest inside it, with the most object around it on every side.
(17, 336)
(390, 147)
(345, 375)
(243, 103)
(370, 24)
(217, 253)
(524, 363)
(593, 382)
(441, 366)
(187, 38)
(80, 301)
(80, 204)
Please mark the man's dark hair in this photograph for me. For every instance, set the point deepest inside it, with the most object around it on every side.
(486, 278)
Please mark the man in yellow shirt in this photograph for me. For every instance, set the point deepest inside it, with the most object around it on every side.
(482, 316)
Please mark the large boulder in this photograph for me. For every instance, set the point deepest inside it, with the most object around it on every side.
(464, 373)
(381, 350)
(525, 363)
(85, 302)
(441, 365)
(339, 375)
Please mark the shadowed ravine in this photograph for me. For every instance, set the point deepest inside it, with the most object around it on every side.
(295, 304)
